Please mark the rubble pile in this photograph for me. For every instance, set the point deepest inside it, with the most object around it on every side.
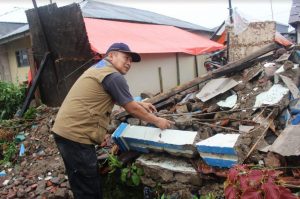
(39, 172)
(258, 107)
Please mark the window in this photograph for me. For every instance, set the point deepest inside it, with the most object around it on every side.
(22, 58)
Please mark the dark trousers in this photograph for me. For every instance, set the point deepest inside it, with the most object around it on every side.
(81, 167)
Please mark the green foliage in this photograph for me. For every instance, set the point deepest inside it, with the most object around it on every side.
(113, 163)
(165, 197)
(11, 99)
(208, 196)
(9, 151)
(131, 175)
(30, 114)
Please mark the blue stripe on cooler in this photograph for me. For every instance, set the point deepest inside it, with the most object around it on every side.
(116, 136)
(184, 152)
(156, 144)
(139, 149)
(118, 132)
(216, 149)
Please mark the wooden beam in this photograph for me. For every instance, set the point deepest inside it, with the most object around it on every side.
(33, 72)
(161, 86)
(177, 70)
(196, 67)
(34, 85)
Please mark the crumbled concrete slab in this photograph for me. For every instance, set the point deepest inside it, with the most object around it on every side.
(229, 102)
(146, 139)
(272, 96)
(246, 129)
(218, 150)
(168, 170)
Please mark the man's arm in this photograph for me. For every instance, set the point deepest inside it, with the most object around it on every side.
(140, 112)
(117, 87)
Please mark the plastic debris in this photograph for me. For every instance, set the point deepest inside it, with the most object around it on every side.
(2, 173)
(22, 150)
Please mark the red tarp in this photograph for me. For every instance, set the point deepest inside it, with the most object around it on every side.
(146, 38)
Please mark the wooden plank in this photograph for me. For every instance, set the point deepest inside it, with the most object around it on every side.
(34, 85)
(33, 72)
(161, 86)
(177, 69)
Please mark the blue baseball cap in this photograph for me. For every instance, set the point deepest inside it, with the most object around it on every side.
(121, 47)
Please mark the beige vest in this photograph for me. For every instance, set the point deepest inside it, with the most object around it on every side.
(85, 113)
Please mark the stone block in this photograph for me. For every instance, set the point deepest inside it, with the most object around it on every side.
(169, 170)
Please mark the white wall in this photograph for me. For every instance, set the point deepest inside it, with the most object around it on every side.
(144, 76)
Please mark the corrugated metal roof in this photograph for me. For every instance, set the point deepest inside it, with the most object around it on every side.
(15, 33)
(100, 10)
(7, 27)
(295, 13)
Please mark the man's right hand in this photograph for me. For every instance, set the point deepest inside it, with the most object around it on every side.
(140, 112)
(163, 123)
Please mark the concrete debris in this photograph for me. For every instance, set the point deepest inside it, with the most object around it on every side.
(229, 102)
(146, 139)
(270, 69)
(34, 176)
(248, 111)
(218, 150)
(272, 96)
(246, 129)
(173, 173)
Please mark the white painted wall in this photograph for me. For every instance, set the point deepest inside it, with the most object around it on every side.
(144, 76)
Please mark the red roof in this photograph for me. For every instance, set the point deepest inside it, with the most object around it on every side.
(146, 38)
